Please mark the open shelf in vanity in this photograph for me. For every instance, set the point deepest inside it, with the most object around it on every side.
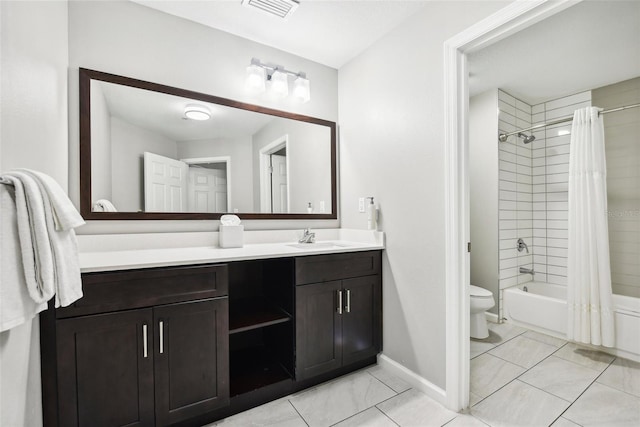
(261, 327)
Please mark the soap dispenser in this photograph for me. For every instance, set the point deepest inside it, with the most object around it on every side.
(372, 215)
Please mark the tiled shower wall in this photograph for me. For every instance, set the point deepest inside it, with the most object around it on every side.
(515, 216)
(534, 181)
(533, 189)
(550, 170)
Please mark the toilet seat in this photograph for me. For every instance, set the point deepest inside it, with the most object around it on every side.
(478, 292)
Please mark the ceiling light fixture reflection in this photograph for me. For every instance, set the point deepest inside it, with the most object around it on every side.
(258, 74)
(197, 112)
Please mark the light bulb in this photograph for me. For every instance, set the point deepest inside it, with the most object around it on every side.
(255, 79)
(279, 84)
(301, 89)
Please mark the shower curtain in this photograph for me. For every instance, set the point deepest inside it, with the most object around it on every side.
(589, 300)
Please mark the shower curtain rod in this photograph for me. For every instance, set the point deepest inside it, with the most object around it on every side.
(503, 136)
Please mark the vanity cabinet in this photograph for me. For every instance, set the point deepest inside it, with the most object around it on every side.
(155, 365)
(338, 322)
(190, 345)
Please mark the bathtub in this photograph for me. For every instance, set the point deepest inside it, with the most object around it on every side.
(543, 308)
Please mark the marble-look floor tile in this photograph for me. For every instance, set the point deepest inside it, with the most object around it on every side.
(602, 405)
(337, 400)
(474, 398)
(372, 417)
(414, 408)
(523, 351)
(504, 331)
(519, 404)
(464, 420)
(563, 422)
(624, 375)
(279, 413)
(592, 359)
(547, 339)
(489, 373)
(560, 377)
(394, 383)
(479, 347)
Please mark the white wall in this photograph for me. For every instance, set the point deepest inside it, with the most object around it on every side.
(100, 145)
(483, 192)
(391, 133)
(33, 117)
(129, 39)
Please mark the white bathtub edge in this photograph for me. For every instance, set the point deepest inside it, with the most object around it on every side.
(627, 321)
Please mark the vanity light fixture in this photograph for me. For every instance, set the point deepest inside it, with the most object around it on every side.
(258, 74)
(197, 112)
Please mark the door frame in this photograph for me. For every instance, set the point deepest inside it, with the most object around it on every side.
(265, 181)
(220, 159)
(513, 18)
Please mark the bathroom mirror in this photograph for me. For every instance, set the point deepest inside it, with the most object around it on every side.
(150, 151)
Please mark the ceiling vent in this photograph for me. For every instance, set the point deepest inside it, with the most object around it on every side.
(280, 8)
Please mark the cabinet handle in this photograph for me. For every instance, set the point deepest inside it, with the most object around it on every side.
(144, 341)
(347, 307)
(161, 325)
(339, 302)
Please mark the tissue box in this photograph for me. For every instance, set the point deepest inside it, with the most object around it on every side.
(231, 236)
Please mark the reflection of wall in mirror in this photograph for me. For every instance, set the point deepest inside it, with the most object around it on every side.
(239, 151)
(309, 180)
(101, 144)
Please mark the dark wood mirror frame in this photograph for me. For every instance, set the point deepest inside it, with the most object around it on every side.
(87, 75)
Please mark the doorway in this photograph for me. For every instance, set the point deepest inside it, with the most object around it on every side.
(209, 184)
(274, 176)
(511, 19)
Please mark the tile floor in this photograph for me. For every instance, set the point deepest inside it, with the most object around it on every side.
(518, 378)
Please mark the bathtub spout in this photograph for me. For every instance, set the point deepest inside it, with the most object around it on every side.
(524, 270)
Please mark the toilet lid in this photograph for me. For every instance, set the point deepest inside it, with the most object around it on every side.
(476, 291)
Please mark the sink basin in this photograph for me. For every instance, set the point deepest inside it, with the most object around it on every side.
(319, 245)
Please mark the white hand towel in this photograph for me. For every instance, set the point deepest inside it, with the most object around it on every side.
(65, 214)
(49, 247)
(16, 305)
(37, 257)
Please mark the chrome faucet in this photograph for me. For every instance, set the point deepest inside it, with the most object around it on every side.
(307, 237)
(522, 245)
(524, 270)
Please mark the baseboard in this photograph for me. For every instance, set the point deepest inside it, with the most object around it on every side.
(413, 379)
(491, 317)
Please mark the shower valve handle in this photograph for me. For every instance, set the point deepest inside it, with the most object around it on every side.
(522, 246)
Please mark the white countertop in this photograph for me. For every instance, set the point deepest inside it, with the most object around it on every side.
(129, 251)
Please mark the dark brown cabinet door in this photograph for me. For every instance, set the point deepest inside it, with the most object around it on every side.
(191, 355)
(318, 329)
(105, 370)
(361, 319)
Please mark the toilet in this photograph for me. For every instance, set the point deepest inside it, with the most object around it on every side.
(481, 300)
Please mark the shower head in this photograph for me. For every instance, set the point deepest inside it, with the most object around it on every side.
(527, 139)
